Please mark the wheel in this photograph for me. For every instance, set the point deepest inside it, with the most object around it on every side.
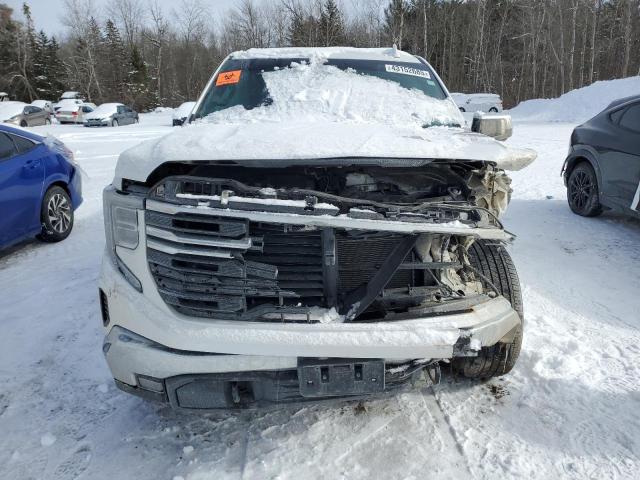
(56, 215)
(47, 121)
(137, 120)
(495, 263)
(462, 109)
(582, 191)
(114, 123)
(493, 110)
(23, 123)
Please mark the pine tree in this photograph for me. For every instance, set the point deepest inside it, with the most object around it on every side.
(56, 69)
(331, 25)
(139, 82)
(116, 60)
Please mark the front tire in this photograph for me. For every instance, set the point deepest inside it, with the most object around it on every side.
(24, 124)
(495, 263)
(114, 123)
(56, 215)
(47, 122)
(582, 191)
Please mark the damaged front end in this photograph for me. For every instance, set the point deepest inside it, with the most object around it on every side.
(320, 244)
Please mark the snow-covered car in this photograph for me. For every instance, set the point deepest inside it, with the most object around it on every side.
(45, 105)
(111, 115)
(325, 229)
(182, 113)
(478, 102)
(72, 111)
(71, 96)
(23, 115)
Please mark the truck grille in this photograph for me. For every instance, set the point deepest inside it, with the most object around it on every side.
(234, 269)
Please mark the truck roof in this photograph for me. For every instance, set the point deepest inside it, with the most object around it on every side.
(381, 54)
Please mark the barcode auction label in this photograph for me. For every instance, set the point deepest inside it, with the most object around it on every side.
(416, 72)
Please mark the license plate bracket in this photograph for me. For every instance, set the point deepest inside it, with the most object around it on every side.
(335, 377)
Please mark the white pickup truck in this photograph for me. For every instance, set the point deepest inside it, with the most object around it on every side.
(324, 228)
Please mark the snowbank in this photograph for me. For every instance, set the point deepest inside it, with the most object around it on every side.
(578, 105)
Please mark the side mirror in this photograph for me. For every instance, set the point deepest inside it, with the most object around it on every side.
(496, 126)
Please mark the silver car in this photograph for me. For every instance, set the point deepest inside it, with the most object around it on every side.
(111, 115)
(68, 111)
(23, 115)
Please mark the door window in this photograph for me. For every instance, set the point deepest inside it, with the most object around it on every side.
(7, 149)
(22, 144)
(631, 118)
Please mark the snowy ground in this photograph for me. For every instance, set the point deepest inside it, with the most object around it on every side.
(570, 409)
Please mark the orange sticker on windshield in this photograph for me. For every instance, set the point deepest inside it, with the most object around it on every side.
(228, 78)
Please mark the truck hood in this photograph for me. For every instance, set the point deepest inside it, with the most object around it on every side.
(279, 144)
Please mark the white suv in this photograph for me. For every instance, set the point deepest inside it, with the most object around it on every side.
(478, 102)
(326, 229)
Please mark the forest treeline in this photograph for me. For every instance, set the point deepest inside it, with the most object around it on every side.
(139, 53)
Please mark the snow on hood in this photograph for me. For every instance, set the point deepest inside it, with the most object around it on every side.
(11, 109)
(103, 111)
(320, 112)
(183, 110)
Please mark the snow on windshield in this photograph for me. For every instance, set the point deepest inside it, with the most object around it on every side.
(319, 92)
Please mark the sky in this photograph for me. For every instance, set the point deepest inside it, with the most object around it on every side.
(47, 13)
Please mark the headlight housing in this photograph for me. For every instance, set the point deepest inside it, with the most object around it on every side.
(121, 228)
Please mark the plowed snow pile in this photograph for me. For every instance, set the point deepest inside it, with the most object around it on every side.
(577, 105)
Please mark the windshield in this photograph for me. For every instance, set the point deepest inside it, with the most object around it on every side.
(366, 86)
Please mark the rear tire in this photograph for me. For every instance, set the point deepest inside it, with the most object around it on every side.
(493, 110)
(56, 215)
(495, 263)
(582, 191)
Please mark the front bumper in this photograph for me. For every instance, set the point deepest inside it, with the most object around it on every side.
(97, 123)
(144, 338)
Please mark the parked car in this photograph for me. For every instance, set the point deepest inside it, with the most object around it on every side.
(71, 96)
(69, 111)
(40, 187)
(19, 113)
(46, 105)
(111, 115)
(181, 114)
(602, 169)
(478, 102)
(278, 252)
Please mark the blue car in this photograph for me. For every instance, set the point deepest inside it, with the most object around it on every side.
(40, 187)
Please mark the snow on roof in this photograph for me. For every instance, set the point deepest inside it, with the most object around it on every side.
(389, 54)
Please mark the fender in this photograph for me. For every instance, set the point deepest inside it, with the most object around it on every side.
(577, 154)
